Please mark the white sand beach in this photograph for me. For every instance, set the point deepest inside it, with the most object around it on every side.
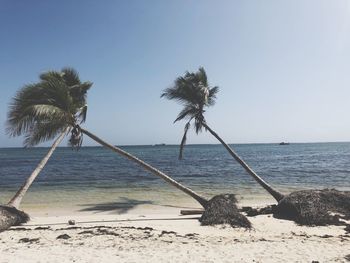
(162, 235)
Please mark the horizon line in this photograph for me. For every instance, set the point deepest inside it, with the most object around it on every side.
(165, 144)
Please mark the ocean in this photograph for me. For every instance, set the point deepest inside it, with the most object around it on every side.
(95, 175)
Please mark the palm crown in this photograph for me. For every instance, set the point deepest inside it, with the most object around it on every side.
(44, 109)
(194, 93)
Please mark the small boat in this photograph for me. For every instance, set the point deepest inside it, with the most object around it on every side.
(284, 143)
(160, 144)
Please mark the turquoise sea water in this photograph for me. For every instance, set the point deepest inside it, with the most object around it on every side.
(95, 175)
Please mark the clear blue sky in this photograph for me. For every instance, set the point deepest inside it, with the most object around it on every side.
(283, 66)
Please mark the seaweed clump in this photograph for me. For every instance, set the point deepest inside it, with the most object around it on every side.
(315, 207)
(10, 216)
(222, 209)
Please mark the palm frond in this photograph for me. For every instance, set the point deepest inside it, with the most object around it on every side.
(43, 131)
(188, 111)
(85, 86)
(202, 76)
(184, 138)
(82, 114)
(212, 95)
(76, 138)
(79, 92)
(198, 124)
(51, 74)
(70, 76)
(56, 93)
(182, 91)
(28, 107)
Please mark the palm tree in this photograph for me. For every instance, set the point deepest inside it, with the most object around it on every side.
(56, 105)
(40, 112)
(43, 111)
(194, 93)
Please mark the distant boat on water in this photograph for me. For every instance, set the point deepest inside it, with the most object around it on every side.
(284, 143)
(160, 144)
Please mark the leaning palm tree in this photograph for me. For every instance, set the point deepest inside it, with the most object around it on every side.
(40, 112)
(194, 93)
(54, 107)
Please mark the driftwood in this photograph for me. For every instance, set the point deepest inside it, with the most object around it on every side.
(191, 212)
(250, 211)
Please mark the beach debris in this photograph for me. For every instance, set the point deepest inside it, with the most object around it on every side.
(192, 212)
(86, 232)
(70, 228)
(42, 228)
(250, 211)
(347, 228)
(164, 232)
(71, 222)
(63, 236)
(315, 207)
(28, 240)
(19, 229)
(11, 216)
(191, 235)
(138, 228)
(222, 209)
(101, 231)
(326, 236)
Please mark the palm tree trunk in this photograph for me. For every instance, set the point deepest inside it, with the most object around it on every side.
(17, 198)
(277, 195)
(149, 168)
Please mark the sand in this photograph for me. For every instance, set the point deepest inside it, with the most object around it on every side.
(162, 235)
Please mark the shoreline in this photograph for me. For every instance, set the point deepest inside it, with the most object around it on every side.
(121, 206)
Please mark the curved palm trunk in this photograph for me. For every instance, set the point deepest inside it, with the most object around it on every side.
(149, 168)
(17, 198)
(277, 195)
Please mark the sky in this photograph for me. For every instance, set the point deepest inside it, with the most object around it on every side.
(282, 66)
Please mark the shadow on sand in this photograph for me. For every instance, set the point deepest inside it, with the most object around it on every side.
(121, 207)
